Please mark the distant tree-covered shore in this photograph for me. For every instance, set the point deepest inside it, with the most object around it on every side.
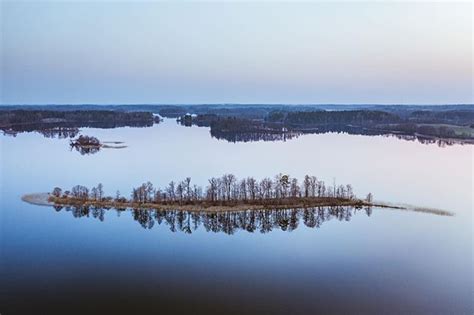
(235, 122)
(22, 120)
(453, 124)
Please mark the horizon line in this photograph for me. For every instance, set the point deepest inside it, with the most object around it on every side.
(240, 104)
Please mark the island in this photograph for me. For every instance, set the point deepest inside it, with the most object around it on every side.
(86, 141)
(225, 193)
(226, 204)
(89, 145)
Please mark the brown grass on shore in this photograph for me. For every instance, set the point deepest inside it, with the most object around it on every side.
(201, 205)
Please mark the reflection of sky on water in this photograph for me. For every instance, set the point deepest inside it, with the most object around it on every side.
(391, 260)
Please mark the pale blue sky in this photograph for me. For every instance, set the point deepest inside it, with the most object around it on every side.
(190, 52)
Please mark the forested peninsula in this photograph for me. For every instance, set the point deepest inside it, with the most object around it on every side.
(65, 123)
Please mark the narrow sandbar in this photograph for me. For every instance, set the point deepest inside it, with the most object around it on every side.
(39, 199)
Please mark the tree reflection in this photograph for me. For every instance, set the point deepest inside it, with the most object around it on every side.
(228, 222)
(254, 136)
(64, 130)
(59, 132)
(279, 135)
(85, 150)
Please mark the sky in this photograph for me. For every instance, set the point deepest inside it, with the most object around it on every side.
(110, 52)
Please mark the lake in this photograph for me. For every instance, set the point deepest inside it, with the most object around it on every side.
(382, 261)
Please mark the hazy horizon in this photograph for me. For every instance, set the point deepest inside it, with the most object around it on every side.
(234, 104)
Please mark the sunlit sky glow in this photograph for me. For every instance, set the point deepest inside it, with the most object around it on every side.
(189, 52)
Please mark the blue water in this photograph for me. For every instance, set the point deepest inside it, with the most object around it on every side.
(390, 262)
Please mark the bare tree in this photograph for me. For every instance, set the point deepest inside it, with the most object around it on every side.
(93, 194)
(228, 180)
(369, 198)
(306, 186)
(212, 189)
(266, 185)
(349, 191)
(197, 192)
(252, 187)
(157, 195)
(277, 187)
(170, 190)
(294, 188)
(321, 189)
(187, 186)
(243, 189)
(80, 192)
(148, 191)
(57, 192)
(235, 192)
(284, 184)
(100, 191)
(180, 192)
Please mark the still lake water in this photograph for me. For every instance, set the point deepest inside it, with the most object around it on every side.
(390, 262)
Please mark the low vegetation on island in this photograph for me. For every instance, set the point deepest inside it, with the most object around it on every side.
(88, 145)
(221, 193)
(85, 141)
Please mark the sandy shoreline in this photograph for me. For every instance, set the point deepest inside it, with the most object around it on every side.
(42, 199)
(39, 199)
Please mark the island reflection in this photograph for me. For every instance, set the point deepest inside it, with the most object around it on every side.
(228, 222)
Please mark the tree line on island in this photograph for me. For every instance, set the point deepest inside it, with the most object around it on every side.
(226, 191)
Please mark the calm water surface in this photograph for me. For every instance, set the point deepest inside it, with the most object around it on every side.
(389, 262)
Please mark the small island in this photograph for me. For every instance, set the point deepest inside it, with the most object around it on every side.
(89, 145)
(86, 141)
(225, 193)
(86, 144)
